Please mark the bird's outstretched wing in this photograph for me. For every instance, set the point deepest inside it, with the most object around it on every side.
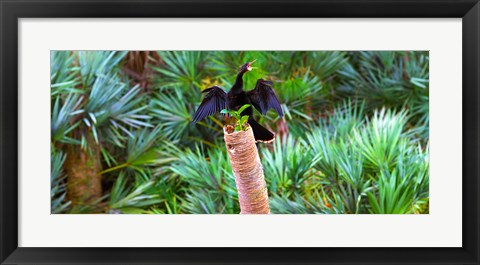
(263, 97)
(213, 102)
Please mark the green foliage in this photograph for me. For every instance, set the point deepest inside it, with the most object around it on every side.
(380, 140)
(97, 63)
(209, 175)
(288, 166)
(171, 111)
(181, 70)
(61, 121)
(390, 79)
(58, 194)
(131, 200)
(355, 138)
(63, 73)
(363, 166)
(240, 120)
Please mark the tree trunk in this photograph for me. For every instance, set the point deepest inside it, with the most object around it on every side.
(83, 167)
(248, 171)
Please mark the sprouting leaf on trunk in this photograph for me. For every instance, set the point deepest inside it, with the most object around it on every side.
(239, 119)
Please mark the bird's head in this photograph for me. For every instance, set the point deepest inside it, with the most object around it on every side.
(246, 67)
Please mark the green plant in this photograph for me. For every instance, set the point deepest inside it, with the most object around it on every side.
(288, 166)
(128, 200)
(171, 111)
(381, 139)
(240, 120)
(58, 195)
(207, 174)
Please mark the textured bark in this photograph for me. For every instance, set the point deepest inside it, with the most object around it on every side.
(83, 167)
(248, 171)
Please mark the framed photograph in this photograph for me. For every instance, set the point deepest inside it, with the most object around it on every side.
(160, 132)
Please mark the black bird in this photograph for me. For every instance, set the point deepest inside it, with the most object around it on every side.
(262, 97)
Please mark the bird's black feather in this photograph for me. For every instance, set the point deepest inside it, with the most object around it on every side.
(261, 133)
(263, 97)
(213, 102)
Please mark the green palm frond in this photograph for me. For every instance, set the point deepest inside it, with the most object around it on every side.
(124, 198)
(284, 205)
(141, 149)
(326, 64)
(63, 73)
(170, 190)
(321, 143)
(202, 202)
(63, 113)
(208, 172)
(317, 203)
(113, 108)
(97, 63)
(394, 195)
(381, 138)
(181, 70)
(346, 117)
(171, 111)
(58, 193)
(288, 166)
(390, 79)
(300, 95)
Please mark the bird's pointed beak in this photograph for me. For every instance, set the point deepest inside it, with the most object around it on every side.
(250, 68)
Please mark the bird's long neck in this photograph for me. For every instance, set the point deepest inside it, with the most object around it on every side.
(238, 85)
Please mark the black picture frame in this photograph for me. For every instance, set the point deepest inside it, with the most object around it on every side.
(11, 11)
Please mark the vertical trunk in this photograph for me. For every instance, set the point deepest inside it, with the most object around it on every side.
(248, 171)
(83, 167)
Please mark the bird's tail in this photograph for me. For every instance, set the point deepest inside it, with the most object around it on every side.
(261, 133)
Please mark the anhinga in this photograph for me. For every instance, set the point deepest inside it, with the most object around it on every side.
(262, 97)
